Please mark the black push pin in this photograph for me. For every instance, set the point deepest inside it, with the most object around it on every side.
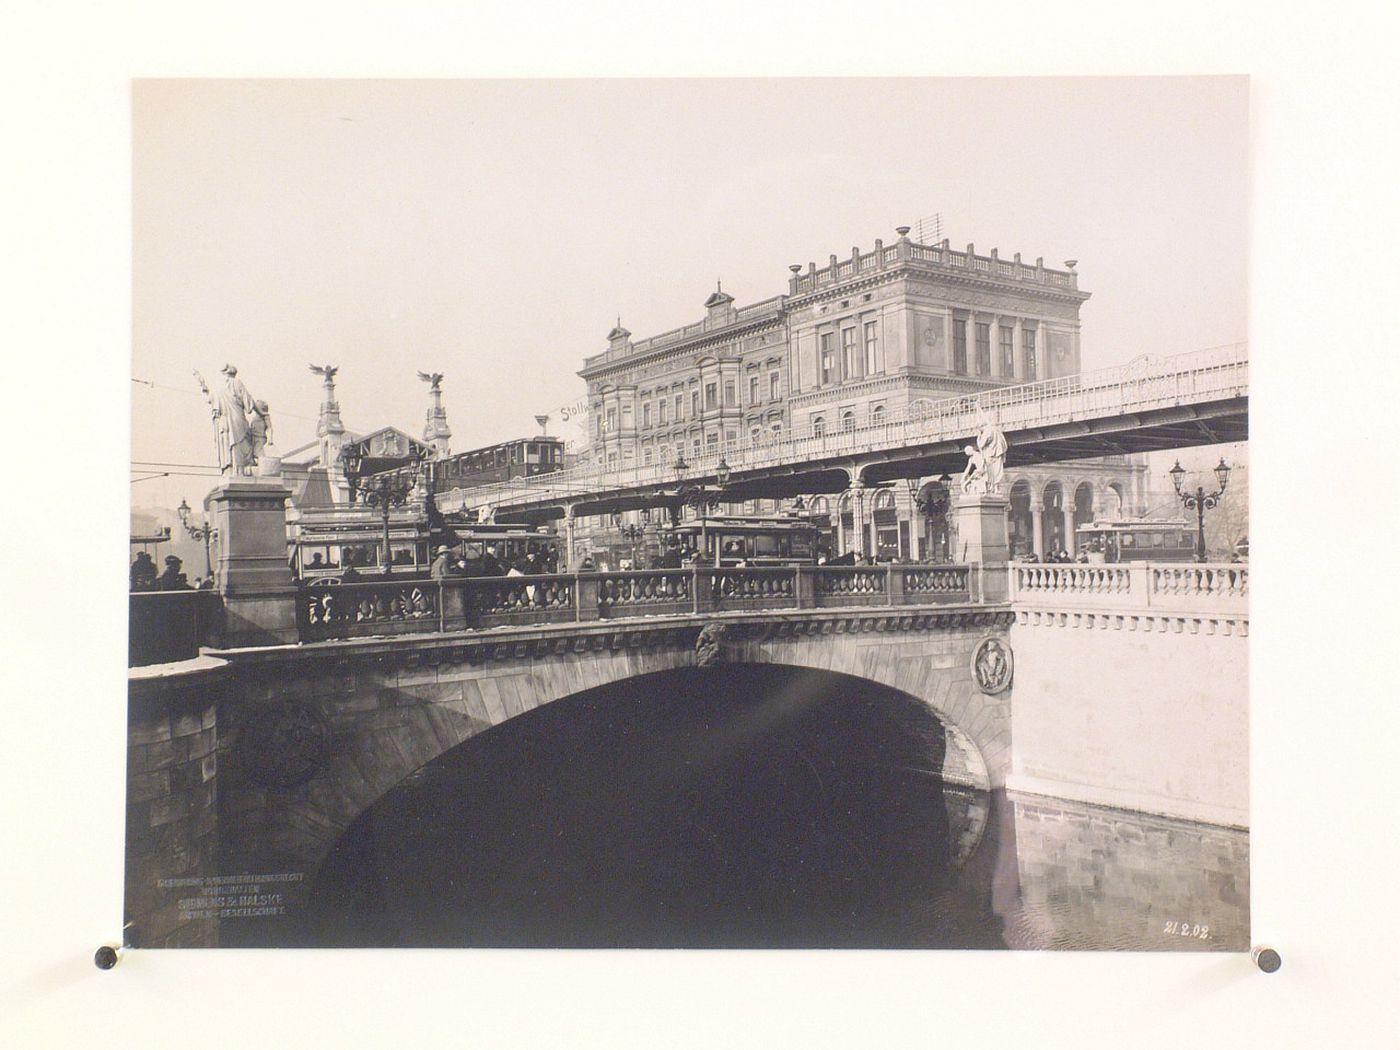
(1267, 959)
(106, 957)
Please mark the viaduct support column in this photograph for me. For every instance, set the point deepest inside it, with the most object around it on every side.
(1038, 528)
(568, 537)
(1071, 545)
(857, 491)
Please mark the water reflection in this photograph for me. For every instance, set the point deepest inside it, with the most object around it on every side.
(752, 806)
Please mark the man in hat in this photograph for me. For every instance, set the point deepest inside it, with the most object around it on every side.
(235, 403)
(442, 564)
(143, 573)
(172, 579)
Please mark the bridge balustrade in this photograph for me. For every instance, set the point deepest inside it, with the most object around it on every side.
(1194, 587)
(387, 607)
(383, 607)
(852, 585)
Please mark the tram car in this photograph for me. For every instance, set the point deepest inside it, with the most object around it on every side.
(727, 540)
(1126, 541)
(330, 545)
(521, 458)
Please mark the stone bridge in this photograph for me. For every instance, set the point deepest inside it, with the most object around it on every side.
(255, 761)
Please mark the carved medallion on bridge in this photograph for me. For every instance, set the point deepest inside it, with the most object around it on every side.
(283, 746)
(992, 665)
(709, 647)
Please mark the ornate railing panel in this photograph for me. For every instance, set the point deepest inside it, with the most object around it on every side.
(850, 585)
(645, 592)
(936, 582)
(517, 599)
(369, 608)
(761, 588)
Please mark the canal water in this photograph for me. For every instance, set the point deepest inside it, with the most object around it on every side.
(753, 806)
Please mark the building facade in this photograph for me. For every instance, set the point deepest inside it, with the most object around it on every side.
(865, 336)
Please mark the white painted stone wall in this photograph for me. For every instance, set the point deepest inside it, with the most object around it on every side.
(1153, 719)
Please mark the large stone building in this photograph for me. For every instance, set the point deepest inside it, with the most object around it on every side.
(864, 336)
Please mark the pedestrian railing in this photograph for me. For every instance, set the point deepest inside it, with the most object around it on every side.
(365, 609)
(1193, 587)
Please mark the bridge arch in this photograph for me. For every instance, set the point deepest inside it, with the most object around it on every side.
(383, 723)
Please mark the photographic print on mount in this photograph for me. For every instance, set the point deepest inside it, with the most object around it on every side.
(689, 513)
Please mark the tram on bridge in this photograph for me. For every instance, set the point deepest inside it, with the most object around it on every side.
(730, 540)
(1127, 541)
(326, 550)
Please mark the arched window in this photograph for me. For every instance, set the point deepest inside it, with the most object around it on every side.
(884, 500)
(877, 414)
(848, 420)
(818, 426)
(755, 435)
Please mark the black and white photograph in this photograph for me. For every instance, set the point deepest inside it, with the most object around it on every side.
(717, 513)
(684, 526)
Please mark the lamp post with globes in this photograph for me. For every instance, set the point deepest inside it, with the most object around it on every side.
(383, 491)
(197, 532)
(1200, 501)
(701, 499)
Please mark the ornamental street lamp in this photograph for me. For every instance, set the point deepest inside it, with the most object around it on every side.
(197, 532)
(630, 533)
(701, 499)
(384, 491)
(1200, 501)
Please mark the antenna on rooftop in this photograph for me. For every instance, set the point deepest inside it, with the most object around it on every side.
(930, 229)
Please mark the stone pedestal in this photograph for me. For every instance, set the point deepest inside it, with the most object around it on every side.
(982, 542)
(981, 525)
(252, 570)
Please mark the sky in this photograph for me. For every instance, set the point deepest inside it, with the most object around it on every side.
(494, 231)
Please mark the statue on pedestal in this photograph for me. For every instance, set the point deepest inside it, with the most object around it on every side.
(230, 412)
(986, 462)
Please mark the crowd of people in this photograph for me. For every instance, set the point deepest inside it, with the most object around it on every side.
(144, 576)
(538, 559)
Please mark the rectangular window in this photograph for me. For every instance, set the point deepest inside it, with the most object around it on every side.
(646, 454)
(960, 347)
(730, 400)
(828, 340)
(1008, 357)
(611, 423)
(711, 396)
(661, 411)
(1028, 342)
(695, 404)
(680, 407)
(712, 440)
(773, 388)
(753, 390)
(646, 414)
(730, 436)
(984, 349)
(850, 367)
(874, 359)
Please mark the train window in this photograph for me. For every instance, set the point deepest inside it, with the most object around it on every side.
(1127, 540)
(360, 555)
(1155, 538)
(321, 556)
(766, 546)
